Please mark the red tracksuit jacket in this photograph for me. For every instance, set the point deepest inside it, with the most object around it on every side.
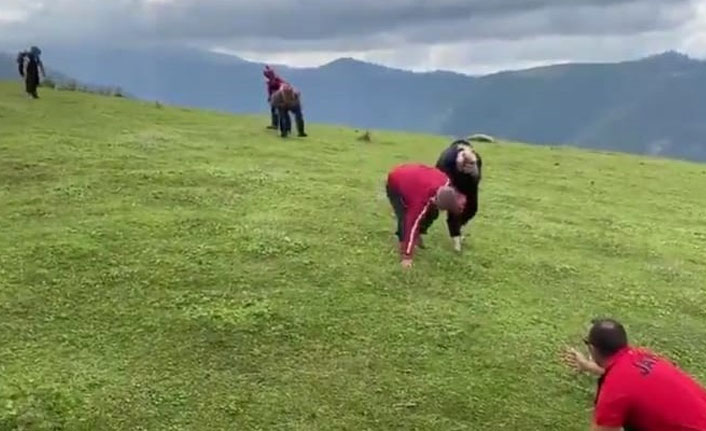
(417, 185)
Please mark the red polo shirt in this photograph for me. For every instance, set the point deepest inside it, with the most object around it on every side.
(641, 391)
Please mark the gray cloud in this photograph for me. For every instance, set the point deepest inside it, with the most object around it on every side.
(425, 32)
(326, 19)
(455, 19)
(624, 19)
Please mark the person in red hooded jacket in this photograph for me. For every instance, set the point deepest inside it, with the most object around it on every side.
(273, 83)
(413, 191)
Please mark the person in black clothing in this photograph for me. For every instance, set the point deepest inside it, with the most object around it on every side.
(462, 163)
(29, 66)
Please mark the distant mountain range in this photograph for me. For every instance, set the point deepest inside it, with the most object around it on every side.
(656, 105)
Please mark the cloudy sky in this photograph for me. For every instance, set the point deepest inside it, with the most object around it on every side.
(472, 36)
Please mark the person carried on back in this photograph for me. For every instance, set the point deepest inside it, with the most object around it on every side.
(413, 190)
(463, 165)
(29, 66)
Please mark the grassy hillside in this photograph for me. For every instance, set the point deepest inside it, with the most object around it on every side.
(343, 92)
(649, 106)
(168, 269)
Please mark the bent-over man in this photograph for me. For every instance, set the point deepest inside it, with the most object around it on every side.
(413, 190)
(288, 99)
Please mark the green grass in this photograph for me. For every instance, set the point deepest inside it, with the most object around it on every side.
(167, 269)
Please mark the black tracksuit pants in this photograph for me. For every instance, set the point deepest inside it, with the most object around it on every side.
(400, 210)
(275, 118)
(32, 79)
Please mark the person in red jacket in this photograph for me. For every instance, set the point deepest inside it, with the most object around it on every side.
(273, 83)
(413, 190)
(637, 389)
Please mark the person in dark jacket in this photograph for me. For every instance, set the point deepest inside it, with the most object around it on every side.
(273, 83)
(288, 99)
(463, 165)
(413, 190)
(29, 66)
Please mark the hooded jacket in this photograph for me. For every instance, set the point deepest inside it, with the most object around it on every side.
(273, 81)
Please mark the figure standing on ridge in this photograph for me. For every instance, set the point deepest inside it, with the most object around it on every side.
(29, 65)
(288, 99)
(273, 83)
(414, 190)
(462, 163)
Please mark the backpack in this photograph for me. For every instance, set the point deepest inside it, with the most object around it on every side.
(21, 62)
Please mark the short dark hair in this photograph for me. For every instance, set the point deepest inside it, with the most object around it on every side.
(607, 336)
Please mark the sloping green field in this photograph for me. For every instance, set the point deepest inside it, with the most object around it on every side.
(172, 269)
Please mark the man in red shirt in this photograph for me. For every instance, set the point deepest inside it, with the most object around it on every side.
(414, 189)
(637, 389)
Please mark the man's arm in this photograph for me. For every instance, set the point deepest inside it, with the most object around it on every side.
(479, 162)
(41, 69)
(611, 405)
(276, 99)
(297, 98)
(578, 361)
(453, 222)
(456, 222)
(471, 208)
